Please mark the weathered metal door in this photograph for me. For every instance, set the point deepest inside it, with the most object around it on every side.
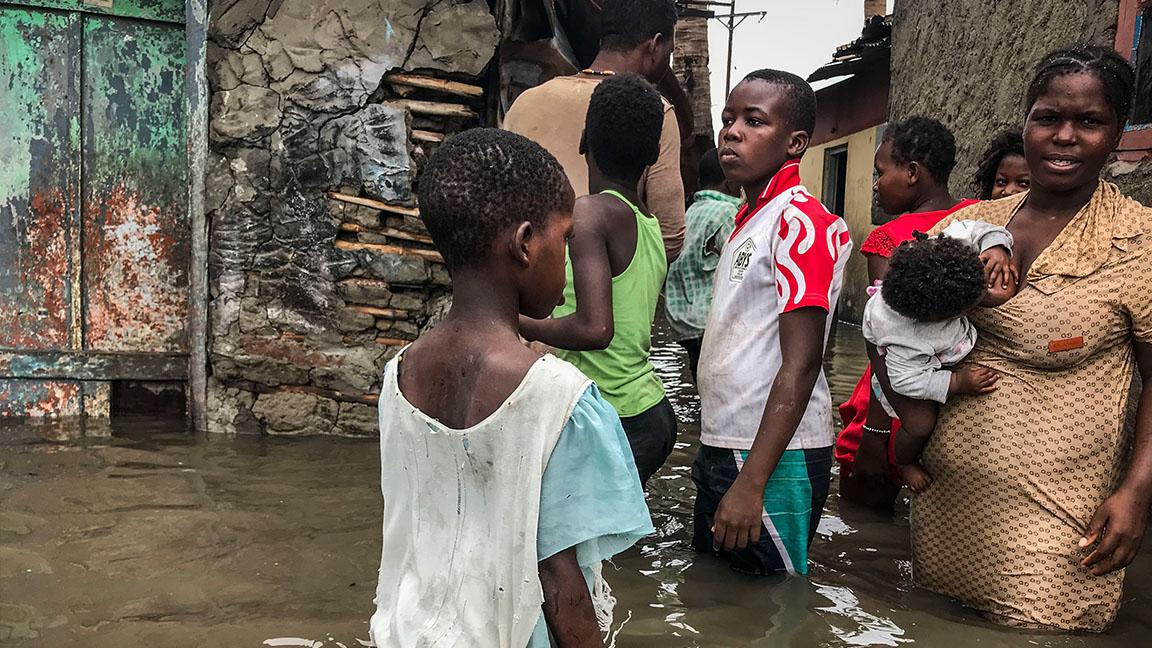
(94, 229)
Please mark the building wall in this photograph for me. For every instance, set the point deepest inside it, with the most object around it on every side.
(852, 105)
(319, 266)
(857, 208)
(968, 62)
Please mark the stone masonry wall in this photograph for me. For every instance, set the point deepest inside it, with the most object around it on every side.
(968, 62)
(319, 265)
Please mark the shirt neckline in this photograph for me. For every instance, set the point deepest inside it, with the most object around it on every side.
(786, 177)
(441, 427)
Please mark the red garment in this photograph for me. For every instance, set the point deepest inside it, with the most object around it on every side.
(882, 241)
(885, 239)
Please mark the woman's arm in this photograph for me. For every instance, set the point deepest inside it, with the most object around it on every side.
(590, 327)
(1118, 527)
(567, 606)
(877, 267)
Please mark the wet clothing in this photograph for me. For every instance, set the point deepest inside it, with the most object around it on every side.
(919, 355)
(882, 241)
(552, 114)
(786, 252)
(469, 513)
(1019, 473)
(688, 294)
(652, 436)
(692, 349)
(793, 502)
(623, 371)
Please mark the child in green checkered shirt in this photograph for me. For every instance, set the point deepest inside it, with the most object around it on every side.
(709, 221)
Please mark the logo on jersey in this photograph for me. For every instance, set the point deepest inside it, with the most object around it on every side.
(741, 260)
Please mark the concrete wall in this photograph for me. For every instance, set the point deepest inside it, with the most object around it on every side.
(309, 293)
(968, 62)
(857, 208)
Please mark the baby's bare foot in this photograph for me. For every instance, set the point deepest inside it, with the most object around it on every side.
(916, 477)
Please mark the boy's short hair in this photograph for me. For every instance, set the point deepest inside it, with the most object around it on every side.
(710, 173)
(622, 129)
(799, 99)
(925, 141)
(482, 181)
(933, 279)
(624, 24)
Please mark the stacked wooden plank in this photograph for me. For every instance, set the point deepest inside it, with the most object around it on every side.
(438, 108)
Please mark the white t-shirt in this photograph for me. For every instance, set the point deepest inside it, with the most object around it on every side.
(787, 252)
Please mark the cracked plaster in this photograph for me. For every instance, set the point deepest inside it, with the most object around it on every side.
(291, 119)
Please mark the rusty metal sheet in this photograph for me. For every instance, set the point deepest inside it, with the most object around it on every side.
(161, 10)
(39, 177)
(97, 395)
(40, 398)
(93, 366)
(136, 237)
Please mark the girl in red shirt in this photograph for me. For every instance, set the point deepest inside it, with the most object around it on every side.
(913, 164)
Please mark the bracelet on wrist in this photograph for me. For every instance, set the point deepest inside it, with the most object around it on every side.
(877, 431)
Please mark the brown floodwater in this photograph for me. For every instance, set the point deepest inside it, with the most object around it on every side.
(141, 535)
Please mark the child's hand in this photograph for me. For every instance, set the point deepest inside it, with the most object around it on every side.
(998, 268)
(738, 518)
(974, 381)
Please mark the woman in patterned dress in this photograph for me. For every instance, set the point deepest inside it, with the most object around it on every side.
(1041, 490)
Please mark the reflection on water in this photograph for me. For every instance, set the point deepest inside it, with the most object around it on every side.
(149, 537)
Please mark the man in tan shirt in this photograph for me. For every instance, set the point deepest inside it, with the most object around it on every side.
(636, 37)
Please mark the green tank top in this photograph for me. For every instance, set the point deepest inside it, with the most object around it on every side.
(623, 371)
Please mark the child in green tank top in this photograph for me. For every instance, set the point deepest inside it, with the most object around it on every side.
(616, 269)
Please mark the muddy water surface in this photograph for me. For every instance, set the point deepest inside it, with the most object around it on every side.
(151, 537)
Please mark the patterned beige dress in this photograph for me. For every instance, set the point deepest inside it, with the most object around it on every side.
(1019, 474)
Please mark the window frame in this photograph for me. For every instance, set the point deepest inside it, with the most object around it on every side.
(1136, 143)
(838, 176)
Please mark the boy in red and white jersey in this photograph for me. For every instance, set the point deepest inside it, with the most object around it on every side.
(765, 460)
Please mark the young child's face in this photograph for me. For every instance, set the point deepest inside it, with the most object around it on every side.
(1012, 177)
(546, 280)
(892, 188)
(756, 138)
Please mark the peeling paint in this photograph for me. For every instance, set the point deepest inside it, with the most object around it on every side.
(136, 293)
(99, 260)
(39, 177)
(34, 313)
(39, 398)
(136, 229)
(160, 10)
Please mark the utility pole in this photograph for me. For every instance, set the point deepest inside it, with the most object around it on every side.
(731, 32)
(697, 8)
(730, 22)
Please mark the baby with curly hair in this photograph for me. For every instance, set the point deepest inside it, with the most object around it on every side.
(917, 320)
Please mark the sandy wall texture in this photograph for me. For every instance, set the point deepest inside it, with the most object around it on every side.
(968, 62)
